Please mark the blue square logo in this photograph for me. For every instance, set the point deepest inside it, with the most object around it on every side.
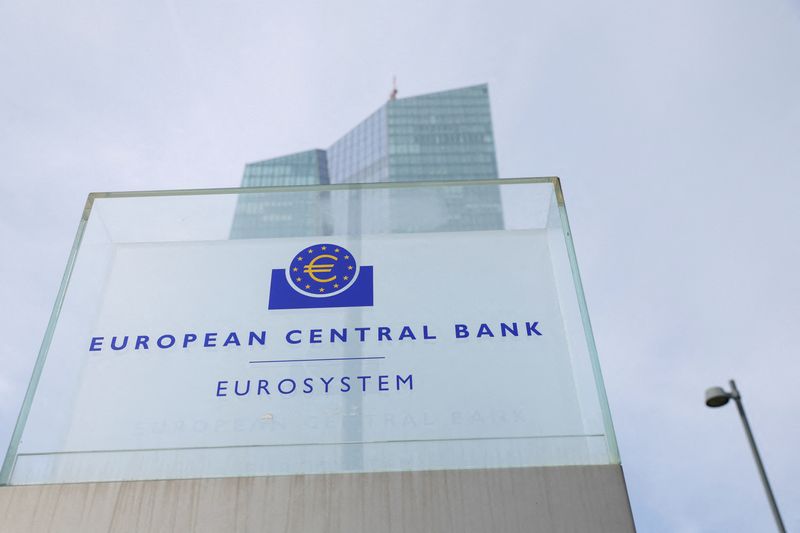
(321, 276)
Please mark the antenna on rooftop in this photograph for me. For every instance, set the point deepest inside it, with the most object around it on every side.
(393, 94)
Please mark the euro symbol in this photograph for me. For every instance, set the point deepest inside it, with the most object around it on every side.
(313, 268)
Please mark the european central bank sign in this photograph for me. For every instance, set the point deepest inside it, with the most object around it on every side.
(178, 351)
(275, 344)
(318, 277)
(411, 326)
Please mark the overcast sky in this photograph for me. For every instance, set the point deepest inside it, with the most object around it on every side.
(675, 127)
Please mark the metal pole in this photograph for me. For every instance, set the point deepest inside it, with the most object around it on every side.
(773, 504)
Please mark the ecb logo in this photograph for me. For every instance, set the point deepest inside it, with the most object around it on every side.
(322, 275)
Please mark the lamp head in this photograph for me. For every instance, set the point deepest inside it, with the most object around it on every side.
(717, 397)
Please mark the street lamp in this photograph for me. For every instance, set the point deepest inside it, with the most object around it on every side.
(717, 397)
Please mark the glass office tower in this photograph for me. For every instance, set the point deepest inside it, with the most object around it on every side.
(439, 136)
(261, 215)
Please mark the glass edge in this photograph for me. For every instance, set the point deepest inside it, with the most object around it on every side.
(11, 454)
(313, 188)
(587, 328)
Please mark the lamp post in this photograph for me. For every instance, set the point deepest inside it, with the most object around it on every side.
(717, 397)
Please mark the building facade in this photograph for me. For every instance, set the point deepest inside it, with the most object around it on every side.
(269, 215)
(439, 136)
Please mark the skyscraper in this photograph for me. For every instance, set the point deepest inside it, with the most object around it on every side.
(260, 215)
(439, 136)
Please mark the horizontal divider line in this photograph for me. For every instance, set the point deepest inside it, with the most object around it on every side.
(319, 359)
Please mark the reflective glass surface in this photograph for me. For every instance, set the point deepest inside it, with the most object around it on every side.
(445, 135)
(178, 348)
(260, 216)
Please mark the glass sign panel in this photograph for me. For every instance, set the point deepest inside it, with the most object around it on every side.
(301, 330)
